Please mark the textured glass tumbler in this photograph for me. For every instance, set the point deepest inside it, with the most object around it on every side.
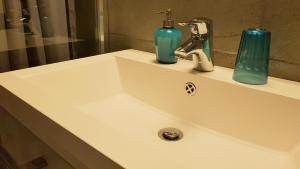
(252, 63)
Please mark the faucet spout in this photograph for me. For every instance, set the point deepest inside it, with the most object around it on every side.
(201, 61)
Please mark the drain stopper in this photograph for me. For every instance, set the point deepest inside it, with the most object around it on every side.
(170, 134)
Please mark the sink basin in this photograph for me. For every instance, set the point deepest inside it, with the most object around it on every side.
(107, 110)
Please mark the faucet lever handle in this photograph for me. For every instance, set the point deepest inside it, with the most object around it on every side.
(199, 28)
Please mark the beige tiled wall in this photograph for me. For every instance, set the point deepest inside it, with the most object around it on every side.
(282, 17)
(132, 24)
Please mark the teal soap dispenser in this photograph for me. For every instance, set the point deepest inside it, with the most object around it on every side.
(167, 40)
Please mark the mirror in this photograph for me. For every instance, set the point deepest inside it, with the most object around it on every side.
(39, 32)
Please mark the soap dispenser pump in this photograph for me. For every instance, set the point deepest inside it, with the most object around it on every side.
(167, 40)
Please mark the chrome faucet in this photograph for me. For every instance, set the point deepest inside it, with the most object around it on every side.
(199, 45)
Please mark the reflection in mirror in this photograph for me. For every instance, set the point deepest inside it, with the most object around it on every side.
(38, 32)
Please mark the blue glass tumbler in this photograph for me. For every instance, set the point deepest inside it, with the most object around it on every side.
(252, 63)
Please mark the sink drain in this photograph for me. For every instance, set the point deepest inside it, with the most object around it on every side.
(170, 134)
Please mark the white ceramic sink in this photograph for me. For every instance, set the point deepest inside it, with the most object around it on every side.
(106, 111)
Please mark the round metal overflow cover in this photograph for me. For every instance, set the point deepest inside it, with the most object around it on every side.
(170, 134)
(190, 88)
